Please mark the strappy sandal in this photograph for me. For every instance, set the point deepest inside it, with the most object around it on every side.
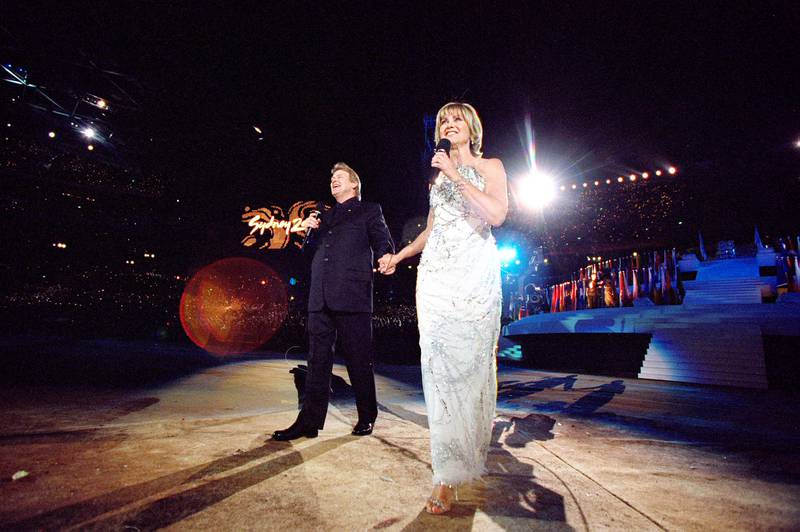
(437, 506)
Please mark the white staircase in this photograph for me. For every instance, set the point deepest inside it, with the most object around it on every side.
(743, 290)
(708, 354)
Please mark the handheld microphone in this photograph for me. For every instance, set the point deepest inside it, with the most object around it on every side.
(443, 145)
(313, 214)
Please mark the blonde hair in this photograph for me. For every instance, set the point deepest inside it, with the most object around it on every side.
(353, 176)
(470, 116)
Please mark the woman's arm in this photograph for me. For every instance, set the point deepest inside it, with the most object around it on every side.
(491, 204)
(414, 248)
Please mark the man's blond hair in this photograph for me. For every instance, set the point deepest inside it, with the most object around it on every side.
(352, 173)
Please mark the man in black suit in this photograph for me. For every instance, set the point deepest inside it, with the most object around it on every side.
(348, 238)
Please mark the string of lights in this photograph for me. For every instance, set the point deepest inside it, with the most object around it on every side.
(633, 177)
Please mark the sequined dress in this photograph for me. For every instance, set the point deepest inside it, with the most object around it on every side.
(458, 309)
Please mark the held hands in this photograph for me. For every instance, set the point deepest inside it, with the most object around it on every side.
(387, 264)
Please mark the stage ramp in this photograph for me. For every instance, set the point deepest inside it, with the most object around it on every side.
(719, 344)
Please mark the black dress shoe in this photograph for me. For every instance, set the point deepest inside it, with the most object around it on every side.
(362, 429)
(297, 430)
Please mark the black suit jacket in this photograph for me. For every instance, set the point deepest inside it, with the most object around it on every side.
(347, 246)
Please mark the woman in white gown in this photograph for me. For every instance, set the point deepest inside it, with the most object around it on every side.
(458, 301)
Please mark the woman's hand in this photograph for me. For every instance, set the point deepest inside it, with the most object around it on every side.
(444, 163)
(387, 264)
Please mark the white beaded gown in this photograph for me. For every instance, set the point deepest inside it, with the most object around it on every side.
(458, 309)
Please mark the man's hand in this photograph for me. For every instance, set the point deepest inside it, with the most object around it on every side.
(312, 222)
(387, 264)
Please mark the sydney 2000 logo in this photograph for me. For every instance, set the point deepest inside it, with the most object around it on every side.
(272, 228)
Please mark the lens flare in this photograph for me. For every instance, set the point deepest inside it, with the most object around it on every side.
(233, 306)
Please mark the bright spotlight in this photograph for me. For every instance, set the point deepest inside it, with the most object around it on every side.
(658, 172)
(90, 147)
(574, 186)
(596, 183)
(797, 143)
(52, 134)
(620, 179)
(672, 170)
(507, 254)
(537, 190)
(101, 103)
(608, 181)
(633, 177)
(645, 175)
(88, 132)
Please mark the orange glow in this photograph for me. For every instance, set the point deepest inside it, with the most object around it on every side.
(620, 179)
(233, 306)
(672, 170)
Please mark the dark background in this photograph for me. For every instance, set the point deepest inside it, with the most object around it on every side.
(610, 88)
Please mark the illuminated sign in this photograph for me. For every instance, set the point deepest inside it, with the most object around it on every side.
(271, 228)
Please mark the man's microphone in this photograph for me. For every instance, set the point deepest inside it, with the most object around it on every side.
(313, 214)
(443, 145)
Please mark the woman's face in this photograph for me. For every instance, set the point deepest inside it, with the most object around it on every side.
(454, 128)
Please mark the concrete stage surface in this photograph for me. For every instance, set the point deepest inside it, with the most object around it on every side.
(569, 452)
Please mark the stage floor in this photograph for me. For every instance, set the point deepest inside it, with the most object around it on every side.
(569, 452)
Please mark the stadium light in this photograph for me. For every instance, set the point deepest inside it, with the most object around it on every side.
(536, 190)
(88, 132)
(507, 253)
(672, 170)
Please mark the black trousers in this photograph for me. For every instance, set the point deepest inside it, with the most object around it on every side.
(355, 331)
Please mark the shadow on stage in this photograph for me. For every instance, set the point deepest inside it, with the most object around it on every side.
(510, 491)
(183, 493)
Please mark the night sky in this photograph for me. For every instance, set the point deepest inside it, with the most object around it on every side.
(613, 86)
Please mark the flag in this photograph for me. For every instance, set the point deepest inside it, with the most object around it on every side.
(666, 287)
(759, 244)
(582, 304)
(703, 254)
(655, 287)
(623, 288)
(793, 274)
(797, 274)
(574, 294)
(635, 275)
(554, 298)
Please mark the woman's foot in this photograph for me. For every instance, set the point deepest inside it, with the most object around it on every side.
(441, 500)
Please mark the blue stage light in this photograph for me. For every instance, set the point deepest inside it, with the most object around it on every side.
(507, 253)
(292, 281)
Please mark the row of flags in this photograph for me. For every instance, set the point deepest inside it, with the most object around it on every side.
(787, 265)
(619, 282)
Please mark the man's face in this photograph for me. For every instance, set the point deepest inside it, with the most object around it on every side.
(342, 189)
